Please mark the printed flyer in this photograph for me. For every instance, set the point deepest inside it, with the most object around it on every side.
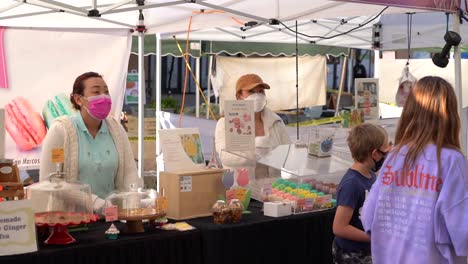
(182, 149)
(240, 125)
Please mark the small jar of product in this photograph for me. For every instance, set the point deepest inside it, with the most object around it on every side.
(220, 212)
(236, 208)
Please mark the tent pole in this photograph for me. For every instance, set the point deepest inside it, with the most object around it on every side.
(10, 7)
(458, 84)
(376, 63)
(114, 6)
(142, 7)
(352, 58)
(63, 6)
(197, 92)
(297, 86)
(141, 101)
(232, 11)
(2, 133)
(158, 101)
(208, 85)
(342, 81)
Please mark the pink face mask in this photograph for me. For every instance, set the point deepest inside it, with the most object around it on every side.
(99, 106)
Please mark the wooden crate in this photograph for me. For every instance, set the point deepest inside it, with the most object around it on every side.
(11, 187)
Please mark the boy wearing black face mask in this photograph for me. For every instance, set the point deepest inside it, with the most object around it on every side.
(368, 144)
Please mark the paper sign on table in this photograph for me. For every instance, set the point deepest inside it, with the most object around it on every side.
(17, 228)
(182, 149)
(111, 214)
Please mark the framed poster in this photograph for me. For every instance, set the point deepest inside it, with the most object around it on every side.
(367, 97)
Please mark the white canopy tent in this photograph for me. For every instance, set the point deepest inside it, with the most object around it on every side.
(209, 18)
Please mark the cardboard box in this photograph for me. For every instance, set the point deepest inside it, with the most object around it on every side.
(191, 194)
(277, 209)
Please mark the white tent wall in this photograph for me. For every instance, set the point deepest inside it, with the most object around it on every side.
(428, 30)
(280, 74)
(390, 73)
(44, 63)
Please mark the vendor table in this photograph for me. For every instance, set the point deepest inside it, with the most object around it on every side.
(154, 246)
(256, 239)
(262, 239)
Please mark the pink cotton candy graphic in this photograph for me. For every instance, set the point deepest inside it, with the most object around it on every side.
(3, 66)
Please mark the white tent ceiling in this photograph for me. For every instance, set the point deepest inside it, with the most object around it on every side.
(172, 16)
(222, 19)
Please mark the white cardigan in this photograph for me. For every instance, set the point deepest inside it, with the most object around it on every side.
(63, 134)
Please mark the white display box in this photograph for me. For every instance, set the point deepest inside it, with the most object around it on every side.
(277, 209)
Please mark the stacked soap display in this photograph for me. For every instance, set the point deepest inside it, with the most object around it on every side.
(308, 195)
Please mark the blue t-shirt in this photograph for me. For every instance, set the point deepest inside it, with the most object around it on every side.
(352, 193)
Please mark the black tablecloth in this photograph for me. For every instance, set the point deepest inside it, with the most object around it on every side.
(262, 239)
(153, 246)
(256, 239)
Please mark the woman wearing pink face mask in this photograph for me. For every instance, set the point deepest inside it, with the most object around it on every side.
(96, 146)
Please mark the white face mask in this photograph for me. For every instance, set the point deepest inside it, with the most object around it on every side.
(259, 101)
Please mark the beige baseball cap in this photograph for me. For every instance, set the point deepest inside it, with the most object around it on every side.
(250, 81)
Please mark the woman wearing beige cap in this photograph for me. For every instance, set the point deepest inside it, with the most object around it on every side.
(270, 132)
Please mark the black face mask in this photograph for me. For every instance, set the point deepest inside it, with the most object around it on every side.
(378, 164)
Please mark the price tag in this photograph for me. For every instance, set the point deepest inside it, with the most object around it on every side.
(321, 200)
(111, 214)
(164, 203)
(267, 189)
(57, 155)
(309, 203)
(300, 203)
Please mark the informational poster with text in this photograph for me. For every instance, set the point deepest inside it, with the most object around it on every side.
(240, 125)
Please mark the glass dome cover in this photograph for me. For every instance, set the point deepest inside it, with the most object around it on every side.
(138, 203)
(57, 201)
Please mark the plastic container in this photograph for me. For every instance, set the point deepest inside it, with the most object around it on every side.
(220, 212)
(321, 141)
(236, 208)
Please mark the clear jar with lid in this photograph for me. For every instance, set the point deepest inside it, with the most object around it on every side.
(236, 208)
(220, 212)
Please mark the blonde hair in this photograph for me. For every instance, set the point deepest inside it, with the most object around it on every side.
(430, 115)
(364, 138)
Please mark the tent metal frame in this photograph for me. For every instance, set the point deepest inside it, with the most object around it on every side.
(79, 11)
